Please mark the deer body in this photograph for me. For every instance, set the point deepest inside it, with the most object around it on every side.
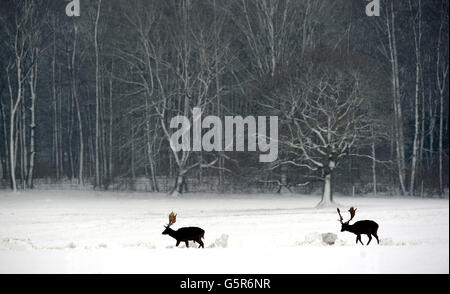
(186, 234)
(366, 227)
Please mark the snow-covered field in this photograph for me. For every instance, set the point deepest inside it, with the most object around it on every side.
(101, 232)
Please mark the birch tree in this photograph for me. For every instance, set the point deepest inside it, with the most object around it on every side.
(33, 96)
(97, 97)
(416, 24)
(441, 79)
(386, 27)
(142, 22)
(74, 88)
(17, 71)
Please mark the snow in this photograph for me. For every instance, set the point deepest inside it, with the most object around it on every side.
(112, 232)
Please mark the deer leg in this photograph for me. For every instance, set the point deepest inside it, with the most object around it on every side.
(359, 238)
(370, 239)
(376, 237)
(178, 243)
(187, 244)
(201, 244)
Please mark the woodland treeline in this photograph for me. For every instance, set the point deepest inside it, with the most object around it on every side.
(362, 101)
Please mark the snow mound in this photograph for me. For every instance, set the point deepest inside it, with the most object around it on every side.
(221, 242)
(329, 238)
(141, 244)
(320, 239)
(16, 244)
(27, 244)
(70, 245)
(390, 242)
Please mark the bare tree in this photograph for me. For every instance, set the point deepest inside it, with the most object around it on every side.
(271, 29)
(195, 75)
(193, 72)
(143, 24)
(324, 113)
(5, 163)
(74, 88)
(387, 28)
(97, 98)
(441, 78)
(19, 45)
(416, 23)
(56, 143)
(33, 84)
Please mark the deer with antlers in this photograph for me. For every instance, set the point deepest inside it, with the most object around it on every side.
(184, 234)
(367, 227)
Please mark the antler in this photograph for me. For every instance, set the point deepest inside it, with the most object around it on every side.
(172, 219)
(340, 216)
(352, 213)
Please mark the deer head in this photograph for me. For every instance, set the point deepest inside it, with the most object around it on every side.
(172, 220)
(346, 225)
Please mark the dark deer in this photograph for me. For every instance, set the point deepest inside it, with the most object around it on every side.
(367, 227)
(184, 234)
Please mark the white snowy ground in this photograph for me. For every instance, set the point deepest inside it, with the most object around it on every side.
(101, 232)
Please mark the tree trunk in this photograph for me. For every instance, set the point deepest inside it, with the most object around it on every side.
(416, 137)
(398, 118)
(80, 129)
(441, 75)
(327, 193)
(180, 185)
(6, 172)
(60, 126)
(132, 155)
(441, 133)
(23, 144)
(70, 138)
(12, 151)
(417, 41)
(218, 92)
(77, 106)
(55, 106)
(374, 164)
(110, 161)
(432, 124)
(422, 134)
(103, 144)
(91, 144)
(97, 100)
(33, 83)
(13, 110)
(155, 186)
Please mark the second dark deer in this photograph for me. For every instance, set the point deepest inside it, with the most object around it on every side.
(184, 234)
(367, 227)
